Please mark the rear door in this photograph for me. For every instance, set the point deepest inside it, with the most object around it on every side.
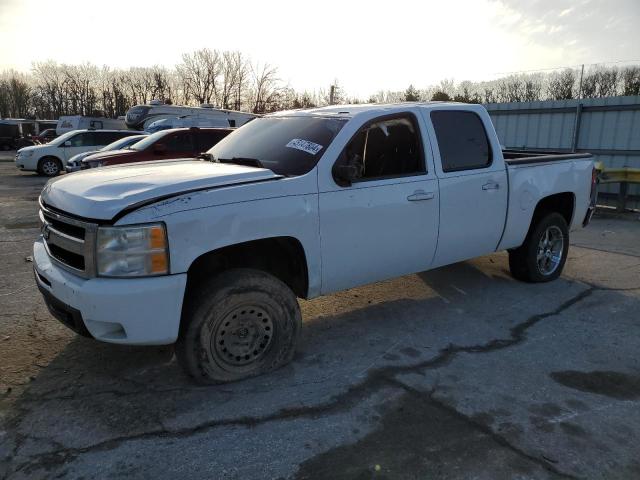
(473, 186)
(385, 224)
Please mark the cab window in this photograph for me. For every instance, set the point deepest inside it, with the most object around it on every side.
(386, 148)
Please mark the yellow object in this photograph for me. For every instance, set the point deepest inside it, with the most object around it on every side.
(159, 263)
(617, 175)
(156, 237)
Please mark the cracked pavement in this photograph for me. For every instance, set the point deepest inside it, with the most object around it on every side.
(458, 372)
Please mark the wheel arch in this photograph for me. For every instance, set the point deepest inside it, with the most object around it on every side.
(45, 157)
(283, 256)
(563, 203)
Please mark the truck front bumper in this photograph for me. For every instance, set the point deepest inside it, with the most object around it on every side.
(138, 311)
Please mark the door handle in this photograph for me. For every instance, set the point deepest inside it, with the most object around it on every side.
(491, 186)
(420, 195)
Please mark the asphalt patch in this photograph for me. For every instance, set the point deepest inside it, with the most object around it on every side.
(417, 439)
(611, 384)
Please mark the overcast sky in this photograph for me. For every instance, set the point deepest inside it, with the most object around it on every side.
(367, 46)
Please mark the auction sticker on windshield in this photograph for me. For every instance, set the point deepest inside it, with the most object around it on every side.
(304, 145)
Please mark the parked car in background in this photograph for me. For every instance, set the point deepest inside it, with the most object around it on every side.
(9, 133)
(50, 159)
(186, 121)
(140, 117)
(212, 254)
(46, 135)
(75, 163)
(79, 122)
(166, 144)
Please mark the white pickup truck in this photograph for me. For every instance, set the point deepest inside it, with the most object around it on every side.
(212, 253)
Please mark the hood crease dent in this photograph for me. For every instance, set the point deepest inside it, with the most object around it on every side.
(102, 193)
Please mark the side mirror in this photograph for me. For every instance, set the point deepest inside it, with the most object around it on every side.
(160, 148)
(205, 156)
(346, 174)
(67, 143)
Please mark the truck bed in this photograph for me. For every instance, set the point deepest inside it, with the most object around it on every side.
(523, 157)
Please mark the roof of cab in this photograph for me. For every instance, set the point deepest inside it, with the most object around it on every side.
(348, 111)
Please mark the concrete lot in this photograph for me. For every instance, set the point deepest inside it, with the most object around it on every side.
(460, 372)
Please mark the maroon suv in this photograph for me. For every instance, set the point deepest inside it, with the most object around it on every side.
(162, 145)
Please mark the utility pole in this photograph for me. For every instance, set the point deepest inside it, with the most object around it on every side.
(332, 94)
(580, 86)
(576, 124)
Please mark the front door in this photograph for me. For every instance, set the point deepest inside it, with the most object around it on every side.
(385, 223)
(81, 142)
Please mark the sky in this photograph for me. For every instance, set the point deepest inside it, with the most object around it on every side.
(366, 46)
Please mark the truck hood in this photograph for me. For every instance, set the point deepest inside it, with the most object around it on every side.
(102, 193)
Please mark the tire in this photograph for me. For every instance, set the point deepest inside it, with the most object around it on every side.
(240, 324)
(537, 259)
(49, 166)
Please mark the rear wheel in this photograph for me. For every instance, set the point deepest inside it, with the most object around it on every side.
(543, 254)
(242, 323)
(49, 166)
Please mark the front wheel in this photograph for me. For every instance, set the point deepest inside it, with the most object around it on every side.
(543, 254)
(240, 324)
(49, 166)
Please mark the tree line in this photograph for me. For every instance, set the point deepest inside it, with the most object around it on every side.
(527, 87)
(230, 80)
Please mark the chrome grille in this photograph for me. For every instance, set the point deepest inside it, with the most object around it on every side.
(69, 242)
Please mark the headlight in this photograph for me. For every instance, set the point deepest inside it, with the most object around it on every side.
(132, 251)
(26, 154)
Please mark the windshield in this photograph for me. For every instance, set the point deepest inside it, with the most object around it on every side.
(285, 145)
(149, 140)
(63, 138)
(125, 142)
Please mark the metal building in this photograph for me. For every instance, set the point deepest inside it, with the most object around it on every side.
(607, 127)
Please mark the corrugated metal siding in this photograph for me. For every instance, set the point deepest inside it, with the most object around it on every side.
(538, 125)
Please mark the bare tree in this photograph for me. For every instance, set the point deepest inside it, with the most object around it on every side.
(199, 72)
(50, 89)
(15, 95)
(560, 85)
(265, 87)
(631, 81)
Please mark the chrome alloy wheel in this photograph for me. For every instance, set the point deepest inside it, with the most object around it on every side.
(50, 167)
(550, 248)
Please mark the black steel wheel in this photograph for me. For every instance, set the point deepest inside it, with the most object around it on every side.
(242, 323)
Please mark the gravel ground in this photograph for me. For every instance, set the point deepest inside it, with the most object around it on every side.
(460, 372)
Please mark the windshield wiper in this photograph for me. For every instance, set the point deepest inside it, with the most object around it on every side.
(250, 162)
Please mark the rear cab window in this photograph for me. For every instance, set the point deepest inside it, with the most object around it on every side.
(462, 140)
